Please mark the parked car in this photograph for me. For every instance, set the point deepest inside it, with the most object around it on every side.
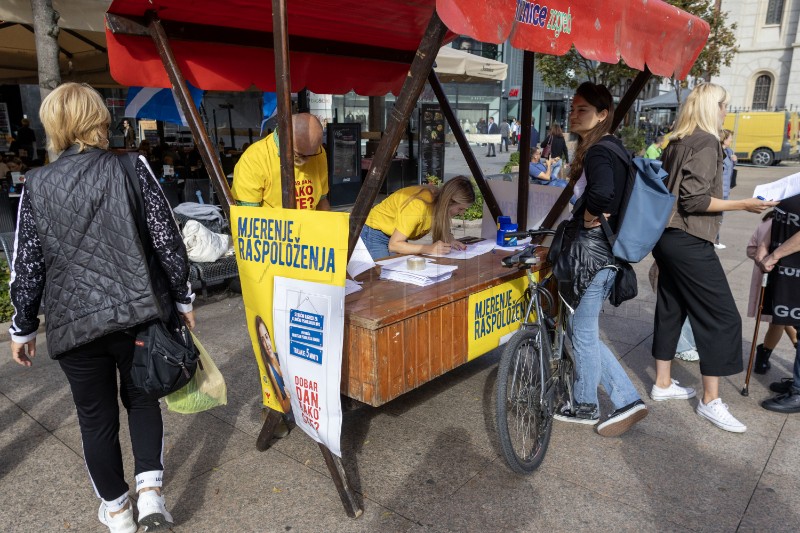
(764, 137)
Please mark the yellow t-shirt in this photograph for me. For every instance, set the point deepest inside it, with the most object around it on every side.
(257, 177)
(413, 220)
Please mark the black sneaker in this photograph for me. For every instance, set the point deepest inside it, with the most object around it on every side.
(623, 419)
(585, 413)
(781, 387)
(788, 403)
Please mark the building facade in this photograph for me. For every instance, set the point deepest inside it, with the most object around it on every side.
(765, 74)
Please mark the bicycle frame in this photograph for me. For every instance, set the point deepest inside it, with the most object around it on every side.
(553, 349)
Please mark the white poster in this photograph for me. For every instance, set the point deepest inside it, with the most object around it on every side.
(309, 328)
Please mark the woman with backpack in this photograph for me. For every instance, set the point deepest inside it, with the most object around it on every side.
(588, 274)
(691, 279)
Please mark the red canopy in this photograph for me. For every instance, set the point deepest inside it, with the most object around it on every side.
(648, 32)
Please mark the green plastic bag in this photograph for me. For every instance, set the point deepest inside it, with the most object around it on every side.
(205, 391)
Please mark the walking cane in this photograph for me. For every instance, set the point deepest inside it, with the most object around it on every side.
(746, 389)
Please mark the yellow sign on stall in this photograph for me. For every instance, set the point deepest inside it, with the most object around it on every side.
(494, 315)
(298, 244)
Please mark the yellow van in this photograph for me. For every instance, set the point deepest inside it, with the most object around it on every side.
(763, 137)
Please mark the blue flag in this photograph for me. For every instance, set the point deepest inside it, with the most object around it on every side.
(269, 108)
(158, 104)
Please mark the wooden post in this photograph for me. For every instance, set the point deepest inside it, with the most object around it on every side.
(201, 140)
(528, 65)
(412, 87)
(267, 429)
(342, 482)
(280, 31)
(630, 97)
(466, 149)
(283, 87)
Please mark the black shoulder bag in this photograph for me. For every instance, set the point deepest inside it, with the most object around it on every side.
(164, 357)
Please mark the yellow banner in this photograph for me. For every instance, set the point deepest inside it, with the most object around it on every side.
(494, 315)
(298, 244)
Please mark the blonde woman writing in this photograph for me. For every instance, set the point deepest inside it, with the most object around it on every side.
(413, 212)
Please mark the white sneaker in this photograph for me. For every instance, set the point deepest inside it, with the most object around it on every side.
(673, 392)
(119, 523)
(688, 355)
(717, 413)
(153, 514)
(720, 246)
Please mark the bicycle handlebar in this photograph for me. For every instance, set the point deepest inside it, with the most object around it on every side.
(530, 233)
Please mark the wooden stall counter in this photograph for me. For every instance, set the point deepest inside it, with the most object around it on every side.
(399, 336)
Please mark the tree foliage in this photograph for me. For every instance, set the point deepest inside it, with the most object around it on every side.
(571, 69)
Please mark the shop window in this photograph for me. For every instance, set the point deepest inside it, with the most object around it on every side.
(761, 91)
(774, 12)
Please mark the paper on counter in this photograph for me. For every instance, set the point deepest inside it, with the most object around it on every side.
(360, 261)
(472, 250)
(778, 190)
(351, 286)
(395, 269)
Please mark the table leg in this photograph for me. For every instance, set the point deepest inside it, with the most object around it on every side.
(270, 422)
(340, 479)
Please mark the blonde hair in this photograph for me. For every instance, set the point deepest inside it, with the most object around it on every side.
(456, 191)
(74, 113)
(725, 135)
(701, 110)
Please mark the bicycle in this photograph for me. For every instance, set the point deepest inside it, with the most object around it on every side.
(536, 372)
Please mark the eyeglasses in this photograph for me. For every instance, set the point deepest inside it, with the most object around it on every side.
(306, 156)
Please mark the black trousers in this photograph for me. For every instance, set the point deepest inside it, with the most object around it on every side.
(92, 374)
(490, 150)
(691, 283)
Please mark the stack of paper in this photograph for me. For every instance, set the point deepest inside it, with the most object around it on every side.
(472, 250)
(396, 269)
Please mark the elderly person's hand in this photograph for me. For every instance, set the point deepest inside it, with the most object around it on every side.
(768, 263)
(188, 318)
(18, 350)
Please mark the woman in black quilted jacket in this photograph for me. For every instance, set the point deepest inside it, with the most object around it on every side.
(77, 243)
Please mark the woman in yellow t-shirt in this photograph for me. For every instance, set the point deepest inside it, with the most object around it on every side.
(413, 212)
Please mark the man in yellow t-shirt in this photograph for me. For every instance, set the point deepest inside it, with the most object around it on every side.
(257, 175)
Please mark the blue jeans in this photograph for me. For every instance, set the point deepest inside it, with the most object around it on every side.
(594, 362)
(555, 170)
(376, 241)
(552, 182)
(686, 341)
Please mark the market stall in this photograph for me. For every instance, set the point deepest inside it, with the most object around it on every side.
(335, 46)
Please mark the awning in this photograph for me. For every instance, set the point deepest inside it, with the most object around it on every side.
(458, 66)
(665, 38)
(668, 100)
(339, 45)
(82, 40)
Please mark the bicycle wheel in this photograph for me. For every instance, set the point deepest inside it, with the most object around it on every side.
(523, 423)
